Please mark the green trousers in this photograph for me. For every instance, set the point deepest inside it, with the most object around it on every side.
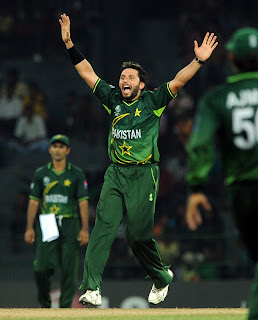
(64, 252)
(130, 191)
(243, 199)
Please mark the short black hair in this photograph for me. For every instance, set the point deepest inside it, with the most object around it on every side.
(136, 66)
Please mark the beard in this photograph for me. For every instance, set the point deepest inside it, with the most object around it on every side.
(133, 94)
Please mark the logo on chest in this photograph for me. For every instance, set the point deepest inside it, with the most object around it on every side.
(46, 181)
(117, 110)
(67, 183)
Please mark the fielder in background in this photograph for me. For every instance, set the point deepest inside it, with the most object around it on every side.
(131, 181)
(59, 188)
(230, 112)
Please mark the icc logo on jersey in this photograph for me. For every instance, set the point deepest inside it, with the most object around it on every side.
(117, 110)
(46, 181)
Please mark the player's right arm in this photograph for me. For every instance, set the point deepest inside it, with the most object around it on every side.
(84, 68)
(31, 215)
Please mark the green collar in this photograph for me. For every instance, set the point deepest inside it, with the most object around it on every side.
(50, 167)
(242, 76)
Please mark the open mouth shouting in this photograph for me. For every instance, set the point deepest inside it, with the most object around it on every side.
(127, 90)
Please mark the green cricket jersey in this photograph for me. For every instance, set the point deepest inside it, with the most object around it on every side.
(59, 193)
(134, 126)
(230, 112)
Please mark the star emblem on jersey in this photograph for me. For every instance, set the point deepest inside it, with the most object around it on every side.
(137, 112)
(67, 183)
(54, 209)
(125, 149)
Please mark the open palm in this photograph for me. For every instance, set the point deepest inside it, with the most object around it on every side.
(208, 45)
(65, 27)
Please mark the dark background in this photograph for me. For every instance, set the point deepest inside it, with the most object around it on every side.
(158, 35)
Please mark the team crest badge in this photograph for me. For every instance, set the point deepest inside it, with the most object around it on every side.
(67, 183)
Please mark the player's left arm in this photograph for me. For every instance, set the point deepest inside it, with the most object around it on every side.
(84, 213)
(202, 53)
(201, 157)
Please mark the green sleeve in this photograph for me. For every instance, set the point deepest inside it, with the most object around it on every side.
(201, 146)
(105, 93)
(161, 96)
(36, 189)
(82, 192)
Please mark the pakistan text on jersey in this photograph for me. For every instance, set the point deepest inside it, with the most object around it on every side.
(247, 97)
(126, 134)
(56, 198)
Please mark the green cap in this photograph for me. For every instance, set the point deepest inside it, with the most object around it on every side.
(60, 138)
(243, 42)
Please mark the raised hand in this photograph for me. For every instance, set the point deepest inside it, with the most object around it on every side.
(208, 45)
(65, 28)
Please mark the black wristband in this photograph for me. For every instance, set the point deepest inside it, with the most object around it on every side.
(199, 61)
(75, 55)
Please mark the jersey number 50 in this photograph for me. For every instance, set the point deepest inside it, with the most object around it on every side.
(245, 127)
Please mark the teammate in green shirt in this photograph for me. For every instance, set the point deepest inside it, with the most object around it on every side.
(131, 181)
(230, 112)
(58, 188)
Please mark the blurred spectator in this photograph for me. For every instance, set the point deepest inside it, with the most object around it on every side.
(10, 110)
(182, 105)
(6, 22)
(30, 132)
(188, 271)
(169, 250)
(183, 128)
(37, 99)
(12, 83)
(161, 225)
(6, 28)
(177, 167)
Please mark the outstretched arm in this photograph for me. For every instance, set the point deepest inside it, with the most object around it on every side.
(202, 53)
(84, 68)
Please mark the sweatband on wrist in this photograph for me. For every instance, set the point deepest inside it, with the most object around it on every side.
(75, 55)
(199, 60)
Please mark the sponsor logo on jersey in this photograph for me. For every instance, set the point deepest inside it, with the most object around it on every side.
(126, 134)
(244, 98)
(46, 181)
(56, 198)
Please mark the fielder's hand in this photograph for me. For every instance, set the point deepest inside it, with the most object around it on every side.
(29, 236)
(84, 237)
(208, 45)
(193, 216)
